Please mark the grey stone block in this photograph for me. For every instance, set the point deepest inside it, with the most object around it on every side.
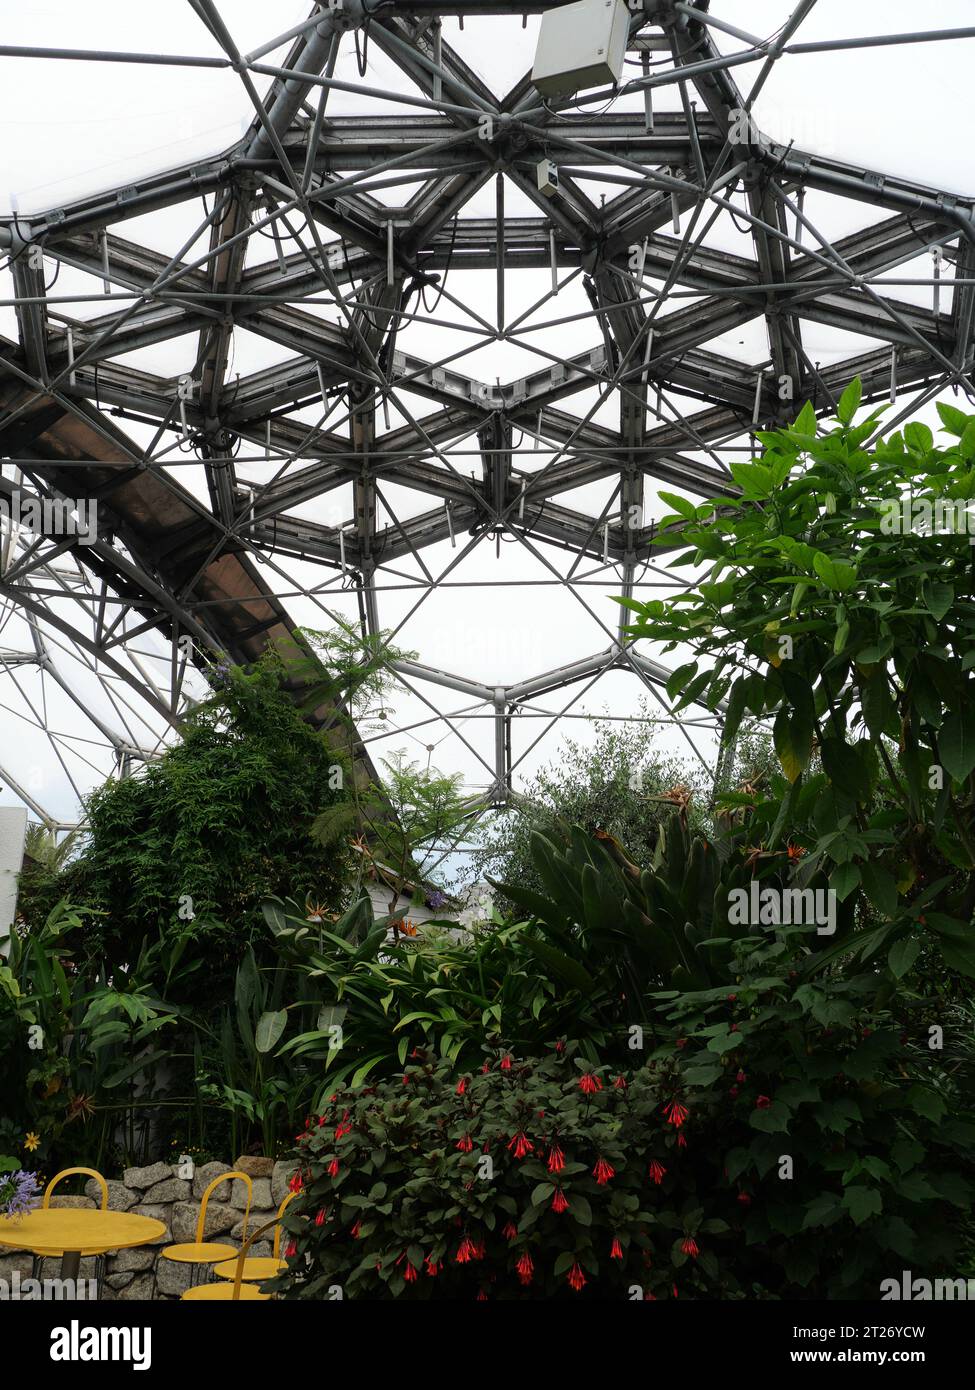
(158, 1213)
(131, 1261)
(78, 1202)
(120, 1197)
(220, 1217)
(281, 1177)
(143, 1178)
(254, 1167)
(172, 1277)
(261, 1194)
(172, 1190)
(21, 1261)
(205, 1174)
(121, 1280)
(142, 1287)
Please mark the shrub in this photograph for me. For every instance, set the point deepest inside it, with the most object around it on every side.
(808, 1147)
(522, 1180)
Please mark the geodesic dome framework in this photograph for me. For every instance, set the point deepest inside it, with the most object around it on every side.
(419, 353)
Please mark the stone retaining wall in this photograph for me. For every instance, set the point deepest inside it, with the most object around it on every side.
(159, 1191)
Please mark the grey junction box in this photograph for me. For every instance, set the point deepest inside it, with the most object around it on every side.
(580, 46)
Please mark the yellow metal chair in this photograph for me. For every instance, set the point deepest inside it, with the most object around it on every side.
(200, 1252)
(227, 1292)
(259, 1267)
(97, 1250)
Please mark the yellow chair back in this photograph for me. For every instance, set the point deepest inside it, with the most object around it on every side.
(224, 1177)
(247, 1245)
(277, 1223)
(66, 1173)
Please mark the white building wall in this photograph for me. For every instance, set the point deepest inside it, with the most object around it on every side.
(13, 830)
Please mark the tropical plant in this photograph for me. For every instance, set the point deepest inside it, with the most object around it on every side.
(618, 780)
(853, 634)
(210, 827)
(523, 1180)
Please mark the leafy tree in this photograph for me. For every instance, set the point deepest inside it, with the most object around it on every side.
(622, 783)
(853, 635)
(197, 840)
(401, 826)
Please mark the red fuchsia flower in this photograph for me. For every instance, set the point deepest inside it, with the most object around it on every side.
(560, 1047)
(354, 1233)
(682, 1141)
(690, 1247)
(732, 998)
(333, 1168)
(734, 1028)
(525, 1268)
(560, 1202)
(762, 1102)
(616, 1250)
(619, 1084)
(576, 1278)
(486, 1068)
(479, 1250)
(466, 1251)
(410, 1272)
(406, 1079)
(297, 1182)
(657, 1171)
(521, 1144)
(556, 1159)
(290, 1249)
(506, 1063)
(741, 1077)
(465, 1143)
(681, 1042)
(603, 1171)
(676, 1113)
(433, 1268)
(733, 1091)
(461, 1087)
(744, 1199)
(320, 1216)
(343, 1127)
(589, 1083)
(509, 1231)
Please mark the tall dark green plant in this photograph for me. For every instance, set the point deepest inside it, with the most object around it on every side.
(853, 635)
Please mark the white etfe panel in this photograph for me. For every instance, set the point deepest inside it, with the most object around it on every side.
(580, 46)
(13, 828)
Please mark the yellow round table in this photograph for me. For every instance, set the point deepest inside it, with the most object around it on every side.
(75, 1231)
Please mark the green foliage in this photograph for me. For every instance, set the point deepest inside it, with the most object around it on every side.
(620, 783)
(78, 1040)
(409, 819)
(848, 1144)
(423, 1187)
(855, 639)
(216, 823)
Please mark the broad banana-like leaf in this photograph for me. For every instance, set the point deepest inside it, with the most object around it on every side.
(270, 1026)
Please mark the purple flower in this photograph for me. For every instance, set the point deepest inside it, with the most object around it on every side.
(18, 1193)
(436, 899)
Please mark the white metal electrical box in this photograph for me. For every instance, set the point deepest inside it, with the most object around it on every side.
(580, 46)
